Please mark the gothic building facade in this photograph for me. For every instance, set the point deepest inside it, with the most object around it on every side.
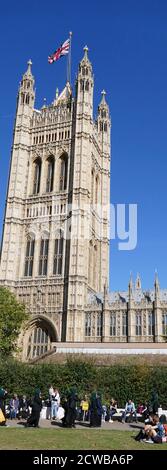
(55, 246)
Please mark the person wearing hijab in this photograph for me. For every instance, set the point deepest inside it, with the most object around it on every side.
(70, 410)
(33, 420)
(95, 410)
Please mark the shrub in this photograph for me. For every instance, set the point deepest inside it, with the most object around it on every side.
(118, 381)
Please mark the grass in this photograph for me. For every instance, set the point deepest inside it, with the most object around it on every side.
(71, 439)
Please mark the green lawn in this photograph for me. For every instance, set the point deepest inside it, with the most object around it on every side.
(75, 439)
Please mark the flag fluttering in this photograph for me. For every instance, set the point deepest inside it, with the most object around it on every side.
(62, 50)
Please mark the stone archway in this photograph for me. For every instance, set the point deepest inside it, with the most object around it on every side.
(39, 337)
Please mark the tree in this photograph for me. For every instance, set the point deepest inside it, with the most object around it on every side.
(13, 314)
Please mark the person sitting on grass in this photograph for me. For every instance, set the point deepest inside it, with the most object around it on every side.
(157, 432)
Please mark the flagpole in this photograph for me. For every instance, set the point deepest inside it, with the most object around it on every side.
(69, 60)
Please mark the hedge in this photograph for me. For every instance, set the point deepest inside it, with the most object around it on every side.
(118, 381)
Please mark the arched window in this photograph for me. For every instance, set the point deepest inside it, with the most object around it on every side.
(103, 113)
(50, 175)
(113, 324)
(63, 173)
(43, 257)
(88, 324)
(58, 255)
(29, 258)
(105, 127)
(138, 324)
(87, 85)
(90, 272)
(92, 187)
(37, 176)
(27, 99)
(39, 342)
(81, 85)
(99, 324)
(97, 190)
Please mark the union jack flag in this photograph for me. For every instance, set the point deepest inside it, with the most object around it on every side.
(62, 50)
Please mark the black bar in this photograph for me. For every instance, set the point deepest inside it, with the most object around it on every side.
(66, 459)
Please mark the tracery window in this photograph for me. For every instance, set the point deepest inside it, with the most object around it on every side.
(138, 324)
(39, 342)
(50, 174)
(58, 255)
(37, 176)
(113, 324)
(29, 258)
(43, 258)
(87, 324)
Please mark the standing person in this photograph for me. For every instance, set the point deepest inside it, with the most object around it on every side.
(3, 395)
(14, 406)
(33, 420)
(70, 410)
(95, 410)
(55, 403)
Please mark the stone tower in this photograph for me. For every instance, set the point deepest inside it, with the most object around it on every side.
(55, 247)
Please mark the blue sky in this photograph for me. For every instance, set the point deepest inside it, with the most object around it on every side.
(127, 42)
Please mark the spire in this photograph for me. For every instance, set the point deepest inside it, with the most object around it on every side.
(130, 286)
(26, 89)
(28, 73)
(85, 61)
(138, 282)
(105, 287)
(86, 52)
(103, 100)
(156, 283)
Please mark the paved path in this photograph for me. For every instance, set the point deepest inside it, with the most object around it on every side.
(46, 423)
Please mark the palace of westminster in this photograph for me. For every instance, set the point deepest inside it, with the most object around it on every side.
(59, 179)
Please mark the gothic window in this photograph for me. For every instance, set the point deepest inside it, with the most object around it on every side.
(97, 190)
(113, 324)
(92, 187)
(27, 99)
(81, 85)
(50, 174)
(99, 325)
(22, 98)
(29, 258)
(150, 324)
(43, 258)
(105, 127)
(87, 324)
(103, 113)
(124, 325)
(101, 126)
(138, 324)
(37, 176)
(63, 173)
(164, 324)
(58, 255)
(87, 85)
(90, 272)
(39, 342)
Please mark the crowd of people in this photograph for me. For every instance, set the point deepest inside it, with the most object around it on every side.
(91, 410)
